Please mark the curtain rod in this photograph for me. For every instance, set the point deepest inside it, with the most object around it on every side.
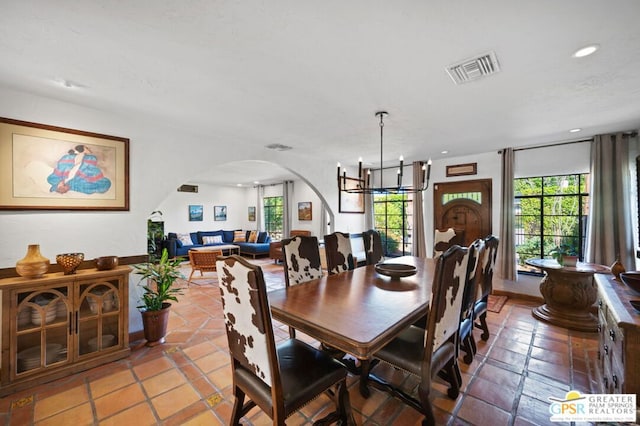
(552, 144)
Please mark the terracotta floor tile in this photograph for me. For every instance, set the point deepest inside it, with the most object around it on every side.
(479, 412)
(139, 415)
(212, 361)
(175, 400)
(549, 369)
(163, 382)
(204, 419)
(111, 383)
(543, 390)
(221, 377)
(200, 350)
(60, 402)
(512, 360)
(501, 397)
(77, 416)
(500, 376)
(559, 358)
(152, 367)
(119, 401)
(534, 411)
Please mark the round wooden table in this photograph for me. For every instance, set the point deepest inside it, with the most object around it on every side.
(569, 293)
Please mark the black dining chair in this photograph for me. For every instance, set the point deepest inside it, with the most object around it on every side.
(337, 248)
(301, 257)
(280, 379)
(487, 265)
(372, 246)
(466, 339)
(433, 351)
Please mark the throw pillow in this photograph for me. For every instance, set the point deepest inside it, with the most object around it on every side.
(215, 239)
(185, 239)
(239, 237)
(253, 236)
(262, 237)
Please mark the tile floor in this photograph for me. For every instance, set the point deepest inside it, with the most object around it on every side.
(187, 380)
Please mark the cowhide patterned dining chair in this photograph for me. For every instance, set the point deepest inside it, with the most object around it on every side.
(373, 246)
(301, 255)
(280, 379)
(338, 252)
(428, 352)
(466, 339)
(486, 266)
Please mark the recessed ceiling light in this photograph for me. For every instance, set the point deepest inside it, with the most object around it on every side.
(68, 84)
(256, 182)
(238, 184)
(586, 51)
(575, 130)
(444, 152)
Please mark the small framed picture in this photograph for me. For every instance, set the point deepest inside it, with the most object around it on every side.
(195, 213)
(252, 214)
(220, 213)
(304, 210)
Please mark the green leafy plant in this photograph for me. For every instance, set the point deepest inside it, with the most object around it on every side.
(160, 278)
(564, 249)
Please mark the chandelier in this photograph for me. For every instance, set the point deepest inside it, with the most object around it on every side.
(362, 184)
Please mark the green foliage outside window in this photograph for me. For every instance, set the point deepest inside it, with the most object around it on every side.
(393, 219)
(273, 214)
(550, 216)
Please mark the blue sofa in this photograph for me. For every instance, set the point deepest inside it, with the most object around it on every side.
(177, 248)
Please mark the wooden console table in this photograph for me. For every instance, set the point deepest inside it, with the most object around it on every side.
(569, 294)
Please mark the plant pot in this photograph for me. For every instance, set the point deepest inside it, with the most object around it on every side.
(569, 260)
(155, 324)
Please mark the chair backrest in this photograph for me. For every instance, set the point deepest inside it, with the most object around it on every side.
(204, 260)
(477, 250)
(442, 240)
(301, 259)
(248, 319)
(338, 252)
(373, 246)
(449, 280)
(486, 265)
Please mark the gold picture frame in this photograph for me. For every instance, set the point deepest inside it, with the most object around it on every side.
(304, 210)
(462, 169)
(46, 167)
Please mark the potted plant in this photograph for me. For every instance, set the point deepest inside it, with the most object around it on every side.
(564, 254)
(158, 291)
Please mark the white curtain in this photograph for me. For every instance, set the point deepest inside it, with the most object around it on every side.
(507, 247)
(368, 207)
(259, 208)
(610, 229)
(418, 233)
(287, 191)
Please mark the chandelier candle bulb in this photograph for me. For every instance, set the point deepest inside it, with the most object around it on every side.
(428, 169)
(401, 163)
(338, 174)
(399, 178)
(360, 168)
(368, 178)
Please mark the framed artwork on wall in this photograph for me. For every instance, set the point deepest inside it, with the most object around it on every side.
(219, 213)
(304, 210)
(45, 167)
(252, 214)
(350, 203)
(195, 213)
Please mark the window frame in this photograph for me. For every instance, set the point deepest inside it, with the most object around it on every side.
(275, 232)
(406, 243)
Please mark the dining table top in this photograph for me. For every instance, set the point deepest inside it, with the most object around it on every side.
(357, 311)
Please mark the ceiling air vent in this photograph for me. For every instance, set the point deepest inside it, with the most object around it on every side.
(279, 147)
(188, 188)
(474, 68)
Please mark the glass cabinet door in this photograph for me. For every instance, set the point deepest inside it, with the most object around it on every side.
(42, 328)
(98, 316)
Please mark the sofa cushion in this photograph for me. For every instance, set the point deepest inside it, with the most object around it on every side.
(212, 239)
(253, 236)
(227, 236)
(184, 240)
(262, 237)
(208, 234)
(239, 237)
(195, 239)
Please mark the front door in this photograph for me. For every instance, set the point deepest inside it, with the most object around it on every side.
(464, 206)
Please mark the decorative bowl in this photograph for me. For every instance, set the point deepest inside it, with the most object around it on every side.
(395, 270)
(635, 304)
(104, 263)
(69, 262)
(632, 280)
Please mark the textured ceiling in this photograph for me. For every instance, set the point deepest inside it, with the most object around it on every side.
(312, 74)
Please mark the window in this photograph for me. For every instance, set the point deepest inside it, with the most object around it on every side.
(392, 215)
(273, 211)
(550, 212)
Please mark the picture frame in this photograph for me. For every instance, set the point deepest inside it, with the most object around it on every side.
(350, 202)
(220, 213)
(462, 169)
(45, 167)
(196, 213)
(304, 210)
(252, 214)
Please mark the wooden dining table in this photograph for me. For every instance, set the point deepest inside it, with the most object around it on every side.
(357, 311)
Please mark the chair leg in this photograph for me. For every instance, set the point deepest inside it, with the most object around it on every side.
(453, 371)
(483, 326)
(190, 275)
(344, 405)
(427, 409)
(467, 347)
(236, 414)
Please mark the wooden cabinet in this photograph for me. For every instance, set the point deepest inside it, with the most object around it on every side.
(60, 324)
(618, 364)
